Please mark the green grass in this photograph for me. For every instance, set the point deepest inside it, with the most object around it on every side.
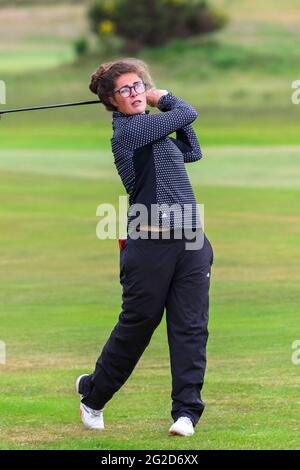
(232, 166)
(61, 298)
(20, 60)
(37, 37)
(239, 79)
(60, 291)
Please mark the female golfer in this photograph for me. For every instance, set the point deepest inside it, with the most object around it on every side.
(165, 262)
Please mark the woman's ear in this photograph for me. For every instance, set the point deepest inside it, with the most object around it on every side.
(113, 101)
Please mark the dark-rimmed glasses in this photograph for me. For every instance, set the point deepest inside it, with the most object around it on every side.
(125, 90)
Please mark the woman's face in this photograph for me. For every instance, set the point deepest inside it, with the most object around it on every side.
(127, 105)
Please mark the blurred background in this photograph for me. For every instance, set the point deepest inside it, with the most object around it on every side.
(235, 62)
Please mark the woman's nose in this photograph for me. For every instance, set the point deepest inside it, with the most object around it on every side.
(134, 92)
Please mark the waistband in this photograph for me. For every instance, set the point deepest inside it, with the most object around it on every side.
(172, 234)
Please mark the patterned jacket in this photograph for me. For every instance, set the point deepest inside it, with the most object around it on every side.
(151, 166)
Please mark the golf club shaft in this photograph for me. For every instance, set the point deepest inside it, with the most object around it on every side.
(16, 110)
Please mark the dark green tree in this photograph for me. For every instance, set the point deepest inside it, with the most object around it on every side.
(153, 22)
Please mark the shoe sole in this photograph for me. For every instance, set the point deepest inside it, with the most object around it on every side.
(174, 433)
(177, 433)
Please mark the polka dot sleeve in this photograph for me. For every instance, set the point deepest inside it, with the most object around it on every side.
(143, 129)
(186, 139)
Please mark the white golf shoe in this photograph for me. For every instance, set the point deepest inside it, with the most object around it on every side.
(92, 419)
(182, 427)
(77, 385)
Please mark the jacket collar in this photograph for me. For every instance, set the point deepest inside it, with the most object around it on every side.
(117, 114)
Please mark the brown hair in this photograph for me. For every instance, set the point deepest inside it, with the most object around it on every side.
(103, 79)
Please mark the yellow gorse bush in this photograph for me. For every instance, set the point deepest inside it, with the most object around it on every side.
(106, 27)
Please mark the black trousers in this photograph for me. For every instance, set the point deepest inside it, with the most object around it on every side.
(159, 274)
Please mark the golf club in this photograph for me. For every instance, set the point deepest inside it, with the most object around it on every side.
(77, 103)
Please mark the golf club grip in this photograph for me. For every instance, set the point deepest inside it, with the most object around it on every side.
(122, 242)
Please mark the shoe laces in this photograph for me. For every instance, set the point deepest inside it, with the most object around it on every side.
(96, 413)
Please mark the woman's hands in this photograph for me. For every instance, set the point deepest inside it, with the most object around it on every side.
(153, 96)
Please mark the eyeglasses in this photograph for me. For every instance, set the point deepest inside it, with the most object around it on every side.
(125, 91)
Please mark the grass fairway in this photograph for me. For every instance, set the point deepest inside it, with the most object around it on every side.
(61, 298)
(60, 295)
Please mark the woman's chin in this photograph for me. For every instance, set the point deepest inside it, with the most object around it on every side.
(138, 109)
